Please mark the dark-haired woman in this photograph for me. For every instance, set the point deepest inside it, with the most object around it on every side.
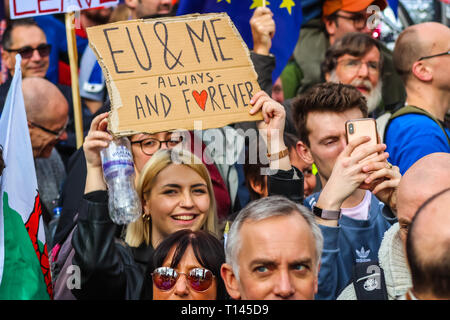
(186, 266)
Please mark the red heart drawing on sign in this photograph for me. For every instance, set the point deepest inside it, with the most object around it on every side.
(200, 98)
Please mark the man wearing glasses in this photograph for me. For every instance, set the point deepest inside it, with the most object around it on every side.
(339, 17)
(47, 115)
(422, 58)
(30, 42)
(26, 38)
(356, 59)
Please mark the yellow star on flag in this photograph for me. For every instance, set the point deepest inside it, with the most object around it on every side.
(229, 1)
(288, 4)
(258, 3)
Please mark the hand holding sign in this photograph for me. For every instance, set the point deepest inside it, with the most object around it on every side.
(163, 74)
(273, 113)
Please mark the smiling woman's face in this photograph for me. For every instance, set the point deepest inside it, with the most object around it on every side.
(179, 199)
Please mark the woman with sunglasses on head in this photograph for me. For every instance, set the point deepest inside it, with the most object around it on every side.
(186, 266)
(174, 196)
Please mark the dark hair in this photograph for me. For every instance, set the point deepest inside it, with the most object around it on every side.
(252, 169)
(2, 162)
(290, 140)
(356, 44)
(428, 275)
(325, 97)
(7, 35)
(208, 250)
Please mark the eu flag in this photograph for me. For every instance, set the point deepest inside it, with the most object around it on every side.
(394, 6)
(287, 15)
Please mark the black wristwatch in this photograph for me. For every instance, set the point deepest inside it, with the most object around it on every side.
(326, 214)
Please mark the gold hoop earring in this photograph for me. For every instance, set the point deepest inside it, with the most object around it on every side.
(146, 217)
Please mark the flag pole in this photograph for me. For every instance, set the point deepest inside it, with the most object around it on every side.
(264, 3)
(73, 60)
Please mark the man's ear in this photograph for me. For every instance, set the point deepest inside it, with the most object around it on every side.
(230, 281)
(9, 61)
(258, 187)
(330, 26)
(422, 72)
(131, 3)
(304, 153)
(316, 280)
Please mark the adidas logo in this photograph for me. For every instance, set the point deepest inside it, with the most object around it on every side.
(362, 254)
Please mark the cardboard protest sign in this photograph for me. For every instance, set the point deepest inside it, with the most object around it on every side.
(163, 74)
(30, 8)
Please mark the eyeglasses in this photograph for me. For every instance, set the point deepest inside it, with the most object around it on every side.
(199, 279)
(56, 133)
(354, 65)
(150, 145)
(359, 20)
(434, 55)
(27, 51)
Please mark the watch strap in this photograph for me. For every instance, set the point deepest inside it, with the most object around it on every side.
(326, 214)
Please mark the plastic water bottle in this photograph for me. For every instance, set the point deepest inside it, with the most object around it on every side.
(118, 169)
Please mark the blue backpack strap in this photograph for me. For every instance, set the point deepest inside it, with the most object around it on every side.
(368, 281)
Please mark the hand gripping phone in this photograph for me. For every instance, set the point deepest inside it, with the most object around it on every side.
(356, 128)
(363, 127)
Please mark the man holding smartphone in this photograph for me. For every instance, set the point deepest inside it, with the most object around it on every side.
(352, 211)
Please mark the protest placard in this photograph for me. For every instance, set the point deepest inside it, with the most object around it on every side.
(30, 8)
(163, 74)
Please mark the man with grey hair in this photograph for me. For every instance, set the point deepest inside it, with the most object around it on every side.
(273, 252)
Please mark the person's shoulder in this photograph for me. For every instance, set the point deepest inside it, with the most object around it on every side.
(412, 123)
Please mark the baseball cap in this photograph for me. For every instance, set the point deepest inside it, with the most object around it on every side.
(331, 6)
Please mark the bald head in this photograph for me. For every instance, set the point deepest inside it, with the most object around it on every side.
(43, 100)
(428, 248)
(47, 114)
(415, 42)
(424, 178)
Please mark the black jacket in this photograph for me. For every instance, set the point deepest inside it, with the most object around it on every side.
(109, 268)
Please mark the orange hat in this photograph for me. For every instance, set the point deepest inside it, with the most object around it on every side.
(331, 6)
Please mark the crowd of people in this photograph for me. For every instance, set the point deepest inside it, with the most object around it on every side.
(315, 216)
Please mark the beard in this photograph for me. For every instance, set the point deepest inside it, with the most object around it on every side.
(373, 97)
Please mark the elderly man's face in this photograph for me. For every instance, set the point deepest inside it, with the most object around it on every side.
(277, 260)
(362, 73)
(22, 37)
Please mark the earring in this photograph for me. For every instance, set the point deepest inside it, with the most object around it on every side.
(146, 217)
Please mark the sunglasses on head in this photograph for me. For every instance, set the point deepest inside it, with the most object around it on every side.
(27, 51)
(199, 279)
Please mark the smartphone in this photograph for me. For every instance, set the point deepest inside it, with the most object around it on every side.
(356, 128)
(364, 127)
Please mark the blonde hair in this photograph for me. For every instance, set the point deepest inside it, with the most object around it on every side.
(139, 231)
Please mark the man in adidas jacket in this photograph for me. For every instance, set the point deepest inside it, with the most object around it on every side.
(352, 219)
(426, 177)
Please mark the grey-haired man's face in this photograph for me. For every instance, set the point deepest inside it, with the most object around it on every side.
(277, 260)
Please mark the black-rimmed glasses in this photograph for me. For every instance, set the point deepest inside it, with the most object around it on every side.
(27, 51)
(56, 133)
(150, 145)
(359, 20)
(434, 55)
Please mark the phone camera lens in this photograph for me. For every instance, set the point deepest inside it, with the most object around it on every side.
(350, 128)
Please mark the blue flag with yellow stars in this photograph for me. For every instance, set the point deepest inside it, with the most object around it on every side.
(287, 15)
